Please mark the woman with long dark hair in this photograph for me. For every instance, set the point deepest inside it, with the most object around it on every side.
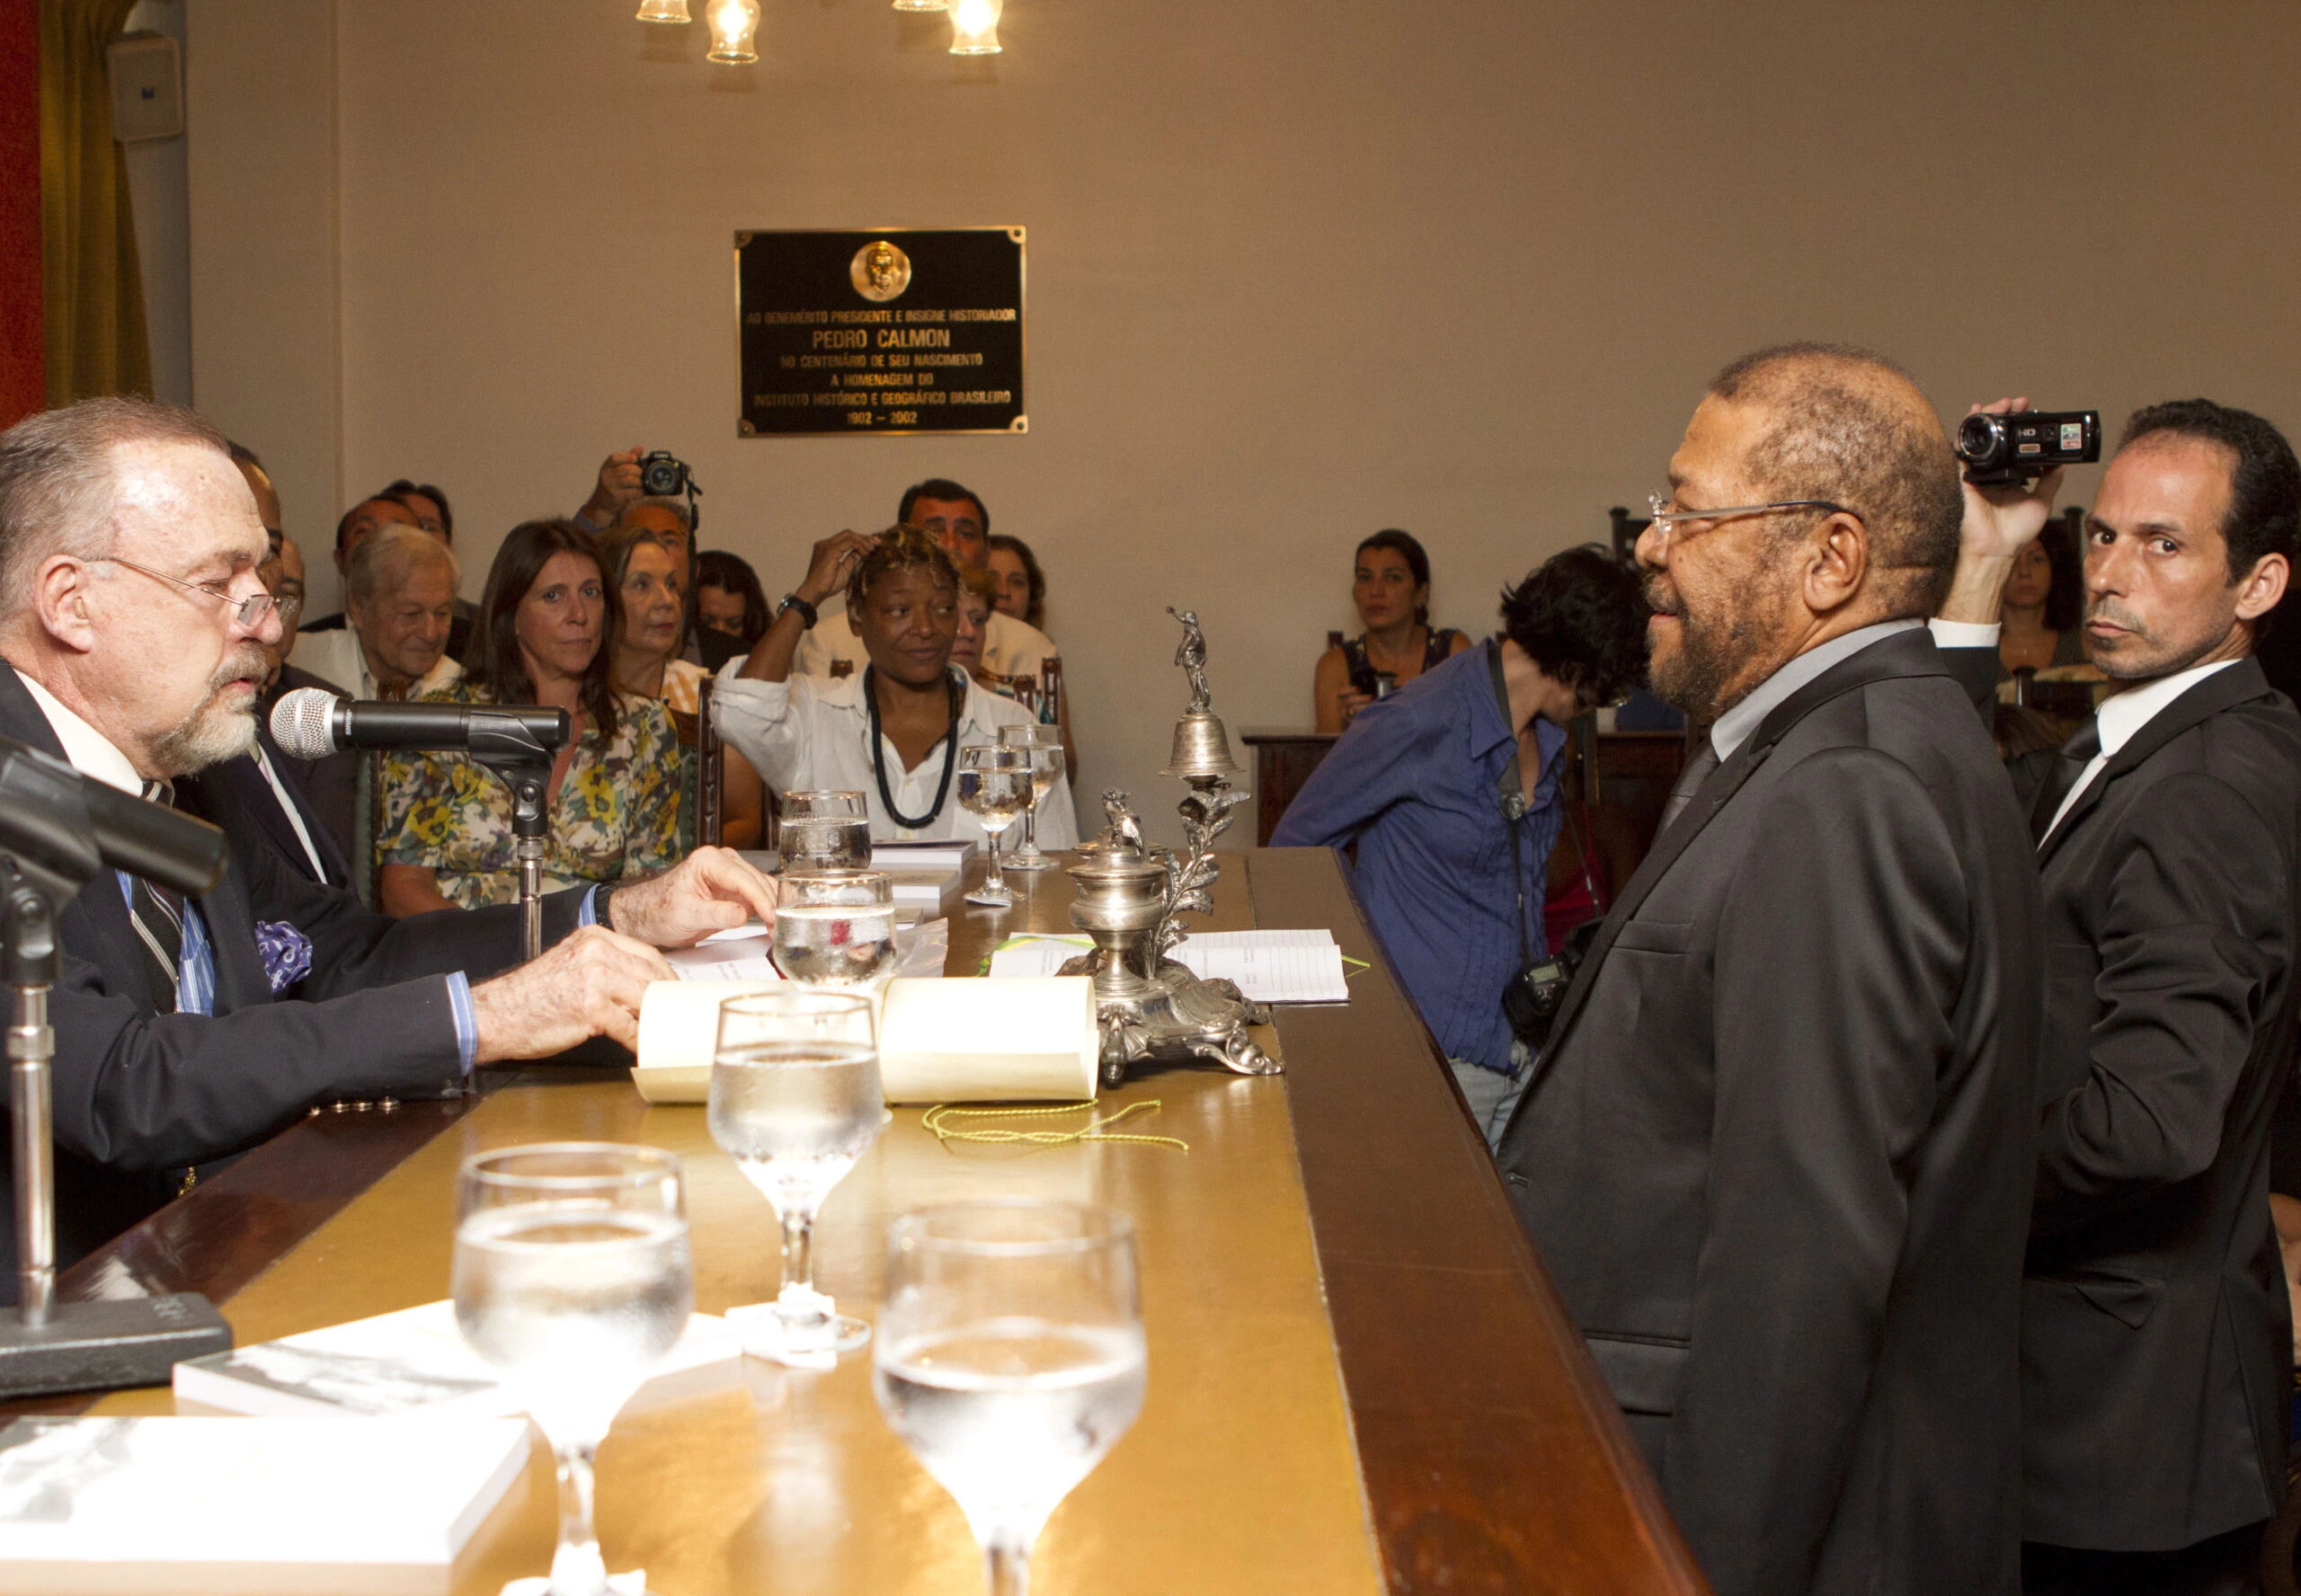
(614, 794)
(1392, 588)
(2039, 624)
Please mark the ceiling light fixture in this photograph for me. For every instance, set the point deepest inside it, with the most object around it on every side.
(663, 11)
(974, 27)
(734, 28)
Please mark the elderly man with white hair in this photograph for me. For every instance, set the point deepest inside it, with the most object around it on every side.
(399, 601)
(132, 622)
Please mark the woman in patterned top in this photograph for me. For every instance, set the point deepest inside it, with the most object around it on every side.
(615, 787)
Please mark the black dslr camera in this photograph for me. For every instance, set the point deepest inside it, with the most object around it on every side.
(1532, 999)
(662, 475)
(2000, 451)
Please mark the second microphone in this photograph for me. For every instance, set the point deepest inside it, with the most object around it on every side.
(312, 723)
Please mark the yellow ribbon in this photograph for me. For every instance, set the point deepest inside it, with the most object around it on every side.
(936, 1118)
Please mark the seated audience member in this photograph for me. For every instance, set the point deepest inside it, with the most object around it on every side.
(2155, 1347)
(730, 608)
(892, 731)
(399, 593)
(977, 592)
(434, 516)
(2038, 627)
(614, 793)
(956, 519)
(1022, 586)
(359, 522)
(649, 616)
(1454, 890)
(667, 521)
(1395, 640)
(176, 1041)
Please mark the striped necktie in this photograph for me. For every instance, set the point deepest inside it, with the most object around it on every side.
(158, 914)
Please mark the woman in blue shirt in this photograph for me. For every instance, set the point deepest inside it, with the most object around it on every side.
(1417, 784)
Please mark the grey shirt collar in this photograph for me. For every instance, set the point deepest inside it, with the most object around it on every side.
(1733, 729)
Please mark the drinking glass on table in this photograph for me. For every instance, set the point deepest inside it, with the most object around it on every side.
(1010, 1359)
(836, 929)
(794, 1101)
(995, 787)
(824, 830)
(572, 1277)
(1045, 744)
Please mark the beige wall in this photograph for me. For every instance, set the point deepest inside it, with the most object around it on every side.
(1298, 269)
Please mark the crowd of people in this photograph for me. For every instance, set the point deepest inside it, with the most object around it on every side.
(1900, 1136)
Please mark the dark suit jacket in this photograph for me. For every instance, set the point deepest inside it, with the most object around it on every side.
(327, 786)
(2156, 1341)
(255, 817)
(138, 1094)
(1779, 1155)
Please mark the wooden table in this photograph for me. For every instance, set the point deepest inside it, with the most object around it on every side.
(1360, 1379)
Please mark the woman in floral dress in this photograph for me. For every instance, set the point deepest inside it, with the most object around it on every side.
(614, 796)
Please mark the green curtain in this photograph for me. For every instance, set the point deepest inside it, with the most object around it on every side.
(95, 293)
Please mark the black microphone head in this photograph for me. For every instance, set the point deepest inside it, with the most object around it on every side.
(303, 723)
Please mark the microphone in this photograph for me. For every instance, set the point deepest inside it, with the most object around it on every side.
(312, 723)
(54, 817)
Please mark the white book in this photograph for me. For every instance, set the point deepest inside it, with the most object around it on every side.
(202, 1504)
(1269, 966)
(939, 1040)
(921, 855)
(412, 1362)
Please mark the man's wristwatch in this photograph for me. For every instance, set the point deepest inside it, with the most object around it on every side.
(807, 612)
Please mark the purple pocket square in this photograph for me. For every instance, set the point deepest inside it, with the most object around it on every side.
(286, 954)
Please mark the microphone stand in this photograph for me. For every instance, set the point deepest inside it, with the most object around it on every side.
(66, 1346)
(504, 745)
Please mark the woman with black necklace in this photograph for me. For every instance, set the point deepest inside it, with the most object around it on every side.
(893, 732)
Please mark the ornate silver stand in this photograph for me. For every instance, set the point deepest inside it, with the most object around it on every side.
(1131, 900)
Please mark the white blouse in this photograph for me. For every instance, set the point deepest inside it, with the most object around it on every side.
(812, 732)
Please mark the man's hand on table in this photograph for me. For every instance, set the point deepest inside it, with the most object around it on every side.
(590, 985)
(713, 890)
(1999, 522)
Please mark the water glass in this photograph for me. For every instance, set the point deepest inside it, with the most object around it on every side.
(794, 1101)
(824, 830)
(1045, 744)
(836, 929)
(572, 1277)
(995, 787)
(1010, 1359)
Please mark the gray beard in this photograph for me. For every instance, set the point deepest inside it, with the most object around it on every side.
(1709, 655)
(212, 734)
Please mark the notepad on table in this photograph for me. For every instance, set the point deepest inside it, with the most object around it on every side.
(1269, 966)
(412, 1362)
(180, 1504)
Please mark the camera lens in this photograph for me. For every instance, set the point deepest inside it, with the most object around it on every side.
(1981, 440)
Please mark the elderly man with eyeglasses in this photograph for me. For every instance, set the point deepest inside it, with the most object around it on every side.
(132, 620)
(1777, 1154)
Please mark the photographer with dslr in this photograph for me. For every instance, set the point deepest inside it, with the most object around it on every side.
(1450, 789)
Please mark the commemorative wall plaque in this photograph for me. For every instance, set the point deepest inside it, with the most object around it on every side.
(904, 330)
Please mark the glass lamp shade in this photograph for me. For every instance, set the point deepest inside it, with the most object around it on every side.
(734, 28)
(974, 27)
(663, 11)
(923, 5)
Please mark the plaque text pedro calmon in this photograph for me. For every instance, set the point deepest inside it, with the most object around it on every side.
(915, 330)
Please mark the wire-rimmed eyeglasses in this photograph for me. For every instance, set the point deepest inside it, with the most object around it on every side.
(248, 612)
(1666, 519)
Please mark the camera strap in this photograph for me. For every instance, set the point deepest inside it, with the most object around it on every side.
(1510, 798)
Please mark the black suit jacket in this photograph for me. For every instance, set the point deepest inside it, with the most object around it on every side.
(139, 1094)
(255, 817)
(1779, 1155)
(2156, 1341)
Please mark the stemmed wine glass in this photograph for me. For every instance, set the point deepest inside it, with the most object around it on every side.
(995, 787)
(1045, 744)
(794, 1101)
(1010, 1359)
(836, 929)
(572, 1277)
(824, 830)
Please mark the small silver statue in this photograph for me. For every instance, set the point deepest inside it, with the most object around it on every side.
(1131, 897)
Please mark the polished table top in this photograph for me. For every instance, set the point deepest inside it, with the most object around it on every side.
(1359, 1379)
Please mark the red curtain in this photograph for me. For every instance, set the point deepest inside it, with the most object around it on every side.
(22, 371)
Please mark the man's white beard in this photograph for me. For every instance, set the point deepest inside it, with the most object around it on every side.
(213, 732)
